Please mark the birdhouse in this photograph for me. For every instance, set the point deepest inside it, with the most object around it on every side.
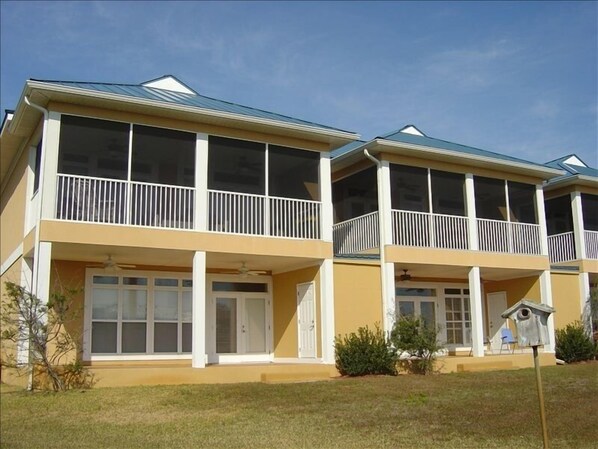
(531, 320)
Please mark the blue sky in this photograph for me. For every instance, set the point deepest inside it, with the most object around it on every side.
(519, 78)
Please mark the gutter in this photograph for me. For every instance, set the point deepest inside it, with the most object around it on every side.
(382, 237)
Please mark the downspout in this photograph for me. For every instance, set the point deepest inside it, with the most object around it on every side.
(40, 192)
(382, 236)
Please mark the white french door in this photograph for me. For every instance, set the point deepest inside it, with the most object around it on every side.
(416, 306)
(241, 323)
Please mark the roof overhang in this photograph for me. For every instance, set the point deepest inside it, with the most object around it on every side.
(42, 93)
(573, 180)
(377, 146)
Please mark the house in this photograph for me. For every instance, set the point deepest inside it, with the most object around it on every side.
(572, 224)
(199, 230)
(460, 234)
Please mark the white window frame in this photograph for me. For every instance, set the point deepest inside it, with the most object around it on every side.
(150, 288)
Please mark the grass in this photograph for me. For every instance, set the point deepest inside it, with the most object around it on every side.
(465, 410)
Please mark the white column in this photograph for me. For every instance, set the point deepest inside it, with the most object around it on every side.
(477, 319)
(42, 270)
(49, 167)
(546, 298)
(578, 229)
(471, 213)
(541, 214)
(326, 197)
(387, 270)
(199, 310)
(584, 295)
(201, 183)
(327, 310)
(27, 283)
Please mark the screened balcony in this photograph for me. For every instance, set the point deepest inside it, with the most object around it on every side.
(119, 173)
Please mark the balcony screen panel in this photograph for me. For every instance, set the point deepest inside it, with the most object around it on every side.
(93, 147)
(490, 201)
(355, 195)
(589, 207)
(236, 165)
(293, 173)
(409, 188)
(522, 202)
(559, 217)
(448, 193)
(163, 156)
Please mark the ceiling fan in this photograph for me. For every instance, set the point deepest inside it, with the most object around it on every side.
(405, 276)
(244, 271)
(110, 265)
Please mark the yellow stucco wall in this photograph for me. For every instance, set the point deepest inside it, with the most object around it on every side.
(284, 307)
(357, 296)
(13, 274)
(12, 212)
(516, 290)
(566, 298)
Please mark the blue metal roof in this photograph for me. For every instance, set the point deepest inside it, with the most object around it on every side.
(184, 99)
(397, 136)
(570, 169)
(346, 148)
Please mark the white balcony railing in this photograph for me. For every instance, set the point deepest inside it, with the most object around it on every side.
(83, 198)
(241, 213)
(427, 230)
(507, 237)
(357, 234)
(561, 247)
(591, 238)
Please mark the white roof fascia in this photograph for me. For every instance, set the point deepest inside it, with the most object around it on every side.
(546, 171)
(192, 109)
(570, 180)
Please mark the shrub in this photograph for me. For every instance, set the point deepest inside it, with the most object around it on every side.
(413, 337)
(573, 343)
(365, 352)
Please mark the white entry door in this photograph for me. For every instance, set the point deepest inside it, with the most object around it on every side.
(306, 320)
(497, 304)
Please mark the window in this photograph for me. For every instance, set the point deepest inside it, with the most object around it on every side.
(236, 165)
(490, 200)
(293, 173)
(559, 217)
(458, 316)
(409, 188)
(355, 195)
(140, 315)
(93, 147)
(37, 168)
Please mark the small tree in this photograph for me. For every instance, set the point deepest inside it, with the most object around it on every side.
(590, 314)
(365, 352)
(40, 329)
(573, 344)
(413, 336)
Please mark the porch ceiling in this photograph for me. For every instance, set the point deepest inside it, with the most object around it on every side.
(424, 271)
(149, 257)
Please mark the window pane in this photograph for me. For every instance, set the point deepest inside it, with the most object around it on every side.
(589, 207)
(163, 156)
(293, 173)
(239, 287)
(448, 193)
(105, 304)
(37, 168)
(133, 337)
(490, 199)
(406, 308)
(409, 188)
(165, 337)
(103, 338)
(134, 304)
(107, 280)
(355, 195)
(522, 202)
(226, 325)
(402, 291)
(166, 305)
(93, 147)
(428, 313)
(559, 217)
(166, 282)
(134, 281)
(187, 283)
(187, 306)
(187, 334)
(236, 165)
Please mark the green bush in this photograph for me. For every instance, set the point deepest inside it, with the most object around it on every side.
(365, 352)
(573, 343)
(419, 341)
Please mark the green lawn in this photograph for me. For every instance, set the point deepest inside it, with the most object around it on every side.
(467, 410)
